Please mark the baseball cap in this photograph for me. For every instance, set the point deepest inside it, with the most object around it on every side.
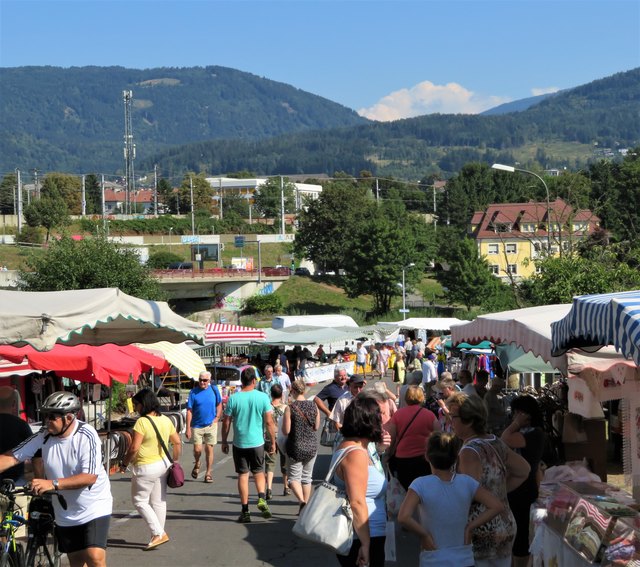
(431, 356)
(356, 379)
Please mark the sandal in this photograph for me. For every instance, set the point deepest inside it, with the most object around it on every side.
(196, 471)
(208, 478)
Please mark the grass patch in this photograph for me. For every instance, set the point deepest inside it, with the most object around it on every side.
(14, 257)
(318, 296)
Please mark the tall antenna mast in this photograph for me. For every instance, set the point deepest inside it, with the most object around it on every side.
(129, 152)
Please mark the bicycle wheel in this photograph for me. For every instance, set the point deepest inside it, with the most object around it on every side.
(43, 552)
(13, 558)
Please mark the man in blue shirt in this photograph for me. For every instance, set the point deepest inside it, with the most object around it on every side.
(251, 413)
(326, 398)
(204, 408)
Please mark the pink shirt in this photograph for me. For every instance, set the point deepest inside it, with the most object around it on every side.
(413, 439)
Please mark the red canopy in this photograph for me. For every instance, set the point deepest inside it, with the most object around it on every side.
(100, 364)
(223, 333)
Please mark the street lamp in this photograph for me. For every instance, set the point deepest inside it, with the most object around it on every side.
(404, 290)
(512, 169)
(170, 231)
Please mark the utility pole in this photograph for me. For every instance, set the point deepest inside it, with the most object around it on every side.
(193, 218)
(155, 189)
(220, 193)
(129, 151)
(19, 199)
(35, 183)
(84, 196)
(104, 213)
(282, 206)
(377, 191)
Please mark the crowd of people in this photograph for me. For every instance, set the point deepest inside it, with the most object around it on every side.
(439, 437)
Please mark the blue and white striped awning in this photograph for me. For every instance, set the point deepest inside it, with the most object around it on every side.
(598, 320)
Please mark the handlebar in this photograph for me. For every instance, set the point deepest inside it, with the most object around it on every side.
(8, 488)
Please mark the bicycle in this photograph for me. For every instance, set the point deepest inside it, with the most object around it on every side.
(12, 551)
(42, 544)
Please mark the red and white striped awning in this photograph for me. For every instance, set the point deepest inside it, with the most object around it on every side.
(224, 333)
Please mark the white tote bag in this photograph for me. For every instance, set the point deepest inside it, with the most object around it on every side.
(327, 518)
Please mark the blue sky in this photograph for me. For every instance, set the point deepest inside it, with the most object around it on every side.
(387, 59)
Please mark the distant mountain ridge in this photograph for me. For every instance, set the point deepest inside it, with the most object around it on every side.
(220, 120)
(600, 114)
(516, 105)
(73, 118)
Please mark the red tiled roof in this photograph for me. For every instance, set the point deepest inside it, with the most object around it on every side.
(516, 214)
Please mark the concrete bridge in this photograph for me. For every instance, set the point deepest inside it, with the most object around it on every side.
(228, 287)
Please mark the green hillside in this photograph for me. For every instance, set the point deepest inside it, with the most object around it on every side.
(575, 122)
(72, 119)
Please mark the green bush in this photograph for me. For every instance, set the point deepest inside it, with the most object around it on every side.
(161, 260)
(31, 235)
(263, 304)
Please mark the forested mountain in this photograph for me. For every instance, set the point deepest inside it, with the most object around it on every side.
(219, 120)
(601, 114)
(72, 119)
(516, 105)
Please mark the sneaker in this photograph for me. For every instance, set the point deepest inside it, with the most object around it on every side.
(244, 518)
(286, 492)
(264, 508)
(269, 494)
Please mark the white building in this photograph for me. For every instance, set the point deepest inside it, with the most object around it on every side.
(247, 187)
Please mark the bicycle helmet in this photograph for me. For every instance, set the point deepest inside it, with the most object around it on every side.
(61, 403)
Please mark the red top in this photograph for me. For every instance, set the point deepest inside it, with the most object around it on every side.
(413, 440)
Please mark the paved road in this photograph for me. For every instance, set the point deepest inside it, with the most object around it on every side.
(203, 531)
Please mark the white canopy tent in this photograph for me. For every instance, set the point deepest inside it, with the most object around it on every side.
(90, 317)
(425, 323)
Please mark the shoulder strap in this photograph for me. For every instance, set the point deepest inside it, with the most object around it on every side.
(164, 447)
(300, 412)
(333, 468)
(408, 425)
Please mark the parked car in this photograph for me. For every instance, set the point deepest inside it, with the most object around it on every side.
(302, 272)
(180, 266)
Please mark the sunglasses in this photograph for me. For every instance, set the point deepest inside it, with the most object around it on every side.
(203, 381)
(52, 417)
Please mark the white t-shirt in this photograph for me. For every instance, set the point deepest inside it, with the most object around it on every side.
(361, 355)
(337, 413)
(63, 457)
(429, 371)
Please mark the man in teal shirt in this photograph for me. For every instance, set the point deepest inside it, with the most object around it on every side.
(251, 413)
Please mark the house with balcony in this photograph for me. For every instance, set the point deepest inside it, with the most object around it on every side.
(512, 236)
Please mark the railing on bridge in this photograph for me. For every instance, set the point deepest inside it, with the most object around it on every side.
(222, 273)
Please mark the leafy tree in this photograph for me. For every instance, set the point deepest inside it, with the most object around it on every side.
(7, 193)
(235, 204)
(202, 193)
(65, 187)
(376, 252)
(48, 212)
(560, 278)
(324, 227)
(87, 264)
(93, 194)
(268, 198)
(466, 274)
(164, 192)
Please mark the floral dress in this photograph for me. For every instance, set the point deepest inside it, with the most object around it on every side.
(494, 539)
(302, 443)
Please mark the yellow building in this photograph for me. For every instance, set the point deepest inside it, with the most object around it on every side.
(511, 236)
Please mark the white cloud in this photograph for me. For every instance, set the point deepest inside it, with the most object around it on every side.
(537, 91)
(427, 98)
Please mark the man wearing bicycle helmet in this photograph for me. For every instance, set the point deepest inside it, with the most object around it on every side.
(72, 459)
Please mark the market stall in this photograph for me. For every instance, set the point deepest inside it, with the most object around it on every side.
(609, 319)
(89, 317)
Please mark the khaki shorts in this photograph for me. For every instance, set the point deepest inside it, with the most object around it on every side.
(206, 435)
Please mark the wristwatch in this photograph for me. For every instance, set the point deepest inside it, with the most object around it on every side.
(56, 484)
